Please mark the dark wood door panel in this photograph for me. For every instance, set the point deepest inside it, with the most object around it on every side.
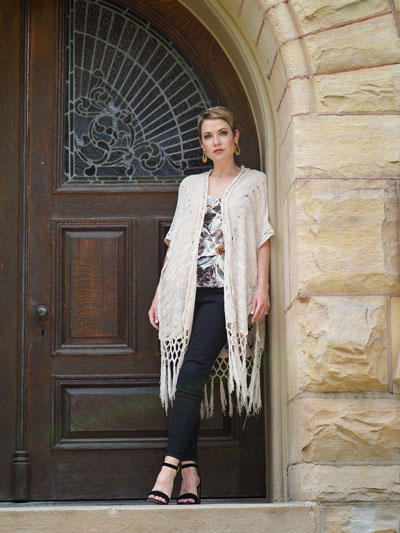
(95, 269)
(99, 412)
(121, 411)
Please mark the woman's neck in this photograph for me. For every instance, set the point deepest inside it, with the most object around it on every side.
(225, 169)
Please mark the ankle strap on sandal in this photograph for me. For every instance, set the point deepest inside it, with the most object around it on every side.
(175, 467)
(189, 464)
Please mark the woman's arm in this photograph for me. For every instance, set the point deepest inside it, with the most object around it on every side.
(261, 304)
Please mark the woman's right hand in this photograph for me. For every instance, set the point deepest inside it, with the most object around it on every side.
(153, 312)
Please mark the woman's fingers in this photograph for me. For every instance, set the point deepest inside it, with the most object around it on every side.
(153, 317)
(260, 309)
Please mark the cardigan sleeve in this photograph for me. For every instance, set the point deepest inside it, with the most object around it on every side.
(264, 227)
(177, 216)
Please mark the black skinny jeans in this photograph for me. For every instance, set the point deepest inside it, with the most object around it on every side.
(207, 339)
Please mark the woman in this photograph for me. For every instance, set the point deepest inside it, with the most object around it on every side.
(212, 297)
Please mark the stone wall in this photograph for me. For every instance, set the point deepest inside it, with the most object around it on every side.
(333, 72)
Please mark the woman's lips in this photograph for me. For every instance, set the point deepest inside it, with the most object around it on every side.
(218, 150)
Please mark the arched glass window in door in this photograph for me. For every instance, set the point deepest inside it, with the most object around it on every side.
(131, 100)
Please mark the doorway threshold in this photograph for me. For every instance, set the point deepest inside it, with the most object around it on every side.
(77, 503)
(141, 517)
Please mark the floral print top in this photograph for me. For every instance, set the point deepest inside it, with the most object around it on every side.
(211, 252)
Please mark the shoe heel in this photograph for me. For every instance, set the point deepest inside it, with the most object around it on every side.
(197, 499)
(150, 496)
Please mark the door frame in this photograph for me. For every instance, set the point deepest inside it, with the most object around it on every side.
(14, 64)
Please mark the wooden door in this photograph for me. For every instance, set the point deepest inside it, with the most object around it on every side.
(113, 95)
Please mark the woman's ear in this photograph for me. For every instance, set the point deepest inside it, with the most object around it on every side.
(237, 135)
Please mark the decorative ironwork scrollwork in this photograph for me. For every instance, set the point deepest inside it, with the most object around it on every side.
(132, 100)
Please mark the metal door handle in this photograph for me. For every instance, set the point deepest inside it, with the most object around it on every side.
(42, 312)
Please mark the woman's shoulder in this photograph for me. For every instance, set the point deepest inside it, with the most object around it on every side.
(192, 180)
(254, 179)
(256, 175)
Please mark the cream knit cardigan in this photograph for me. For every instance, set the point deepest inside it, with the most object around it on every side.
(246, 226)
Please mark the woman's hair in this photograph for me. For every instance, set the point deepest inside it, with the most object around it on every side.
(216, 112)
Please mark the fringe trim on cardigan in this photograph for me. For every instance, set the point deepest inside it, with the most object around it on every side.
(238, 374)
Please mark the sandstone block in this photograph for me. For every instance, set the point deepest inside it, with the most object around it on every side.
(286, 163)
(336, 344)
(363, 44)
(316, 14)
(278, 80)
(395, 335)
(252, 15)
(362, 518)
(298, 98)
(290, 64)
(347, 146)
(344, 483)
(347, 236)
(292, 244)
(285, 251)
(267, 45)
(368, 90)
(344, 429)
(282, 23)
(294, 59)
(292, 353)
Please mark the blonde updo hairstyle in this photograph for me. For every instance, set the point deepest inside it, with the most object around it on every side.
(216, 112)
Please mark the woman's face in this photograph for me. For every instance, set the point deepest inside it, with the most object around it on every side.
(218, 139)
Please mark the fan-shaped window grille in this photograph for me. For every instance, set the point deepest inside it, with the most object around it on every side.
(132, 100)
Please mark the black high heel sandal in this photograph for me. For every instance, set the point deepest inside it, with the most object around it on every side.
(197, 499)
(158, 492)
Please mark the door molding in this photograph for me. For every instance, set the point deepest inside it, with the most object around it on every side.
(21, 464)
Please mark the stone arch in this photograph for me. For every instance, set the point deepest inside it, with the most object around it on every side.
(253, 58)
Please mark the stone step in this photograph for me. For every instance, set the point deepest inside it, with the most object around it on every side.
(296, 517)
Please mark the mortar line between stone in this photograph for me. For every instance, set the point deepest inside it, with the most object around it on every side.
(260, 31)
(286, 131)
(303, 295)
(360, 503)
(347, 395)
(336, 26)
(273, 64)
(350, 462)
(351, 69)
(347, 178)
(347, 113)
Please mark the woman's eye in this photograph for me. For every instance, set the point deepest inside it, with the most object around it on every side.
(207, 136)
(224, 132)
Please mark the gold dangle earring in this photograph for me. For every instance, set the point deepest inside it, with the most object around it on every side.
(204, 158)
(237, 149)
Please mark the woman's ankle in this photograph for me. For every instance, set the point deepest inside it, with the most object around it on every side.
(171, 460)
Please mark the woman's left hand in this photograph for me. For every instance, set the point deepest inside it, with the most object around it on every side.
(260, 304)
